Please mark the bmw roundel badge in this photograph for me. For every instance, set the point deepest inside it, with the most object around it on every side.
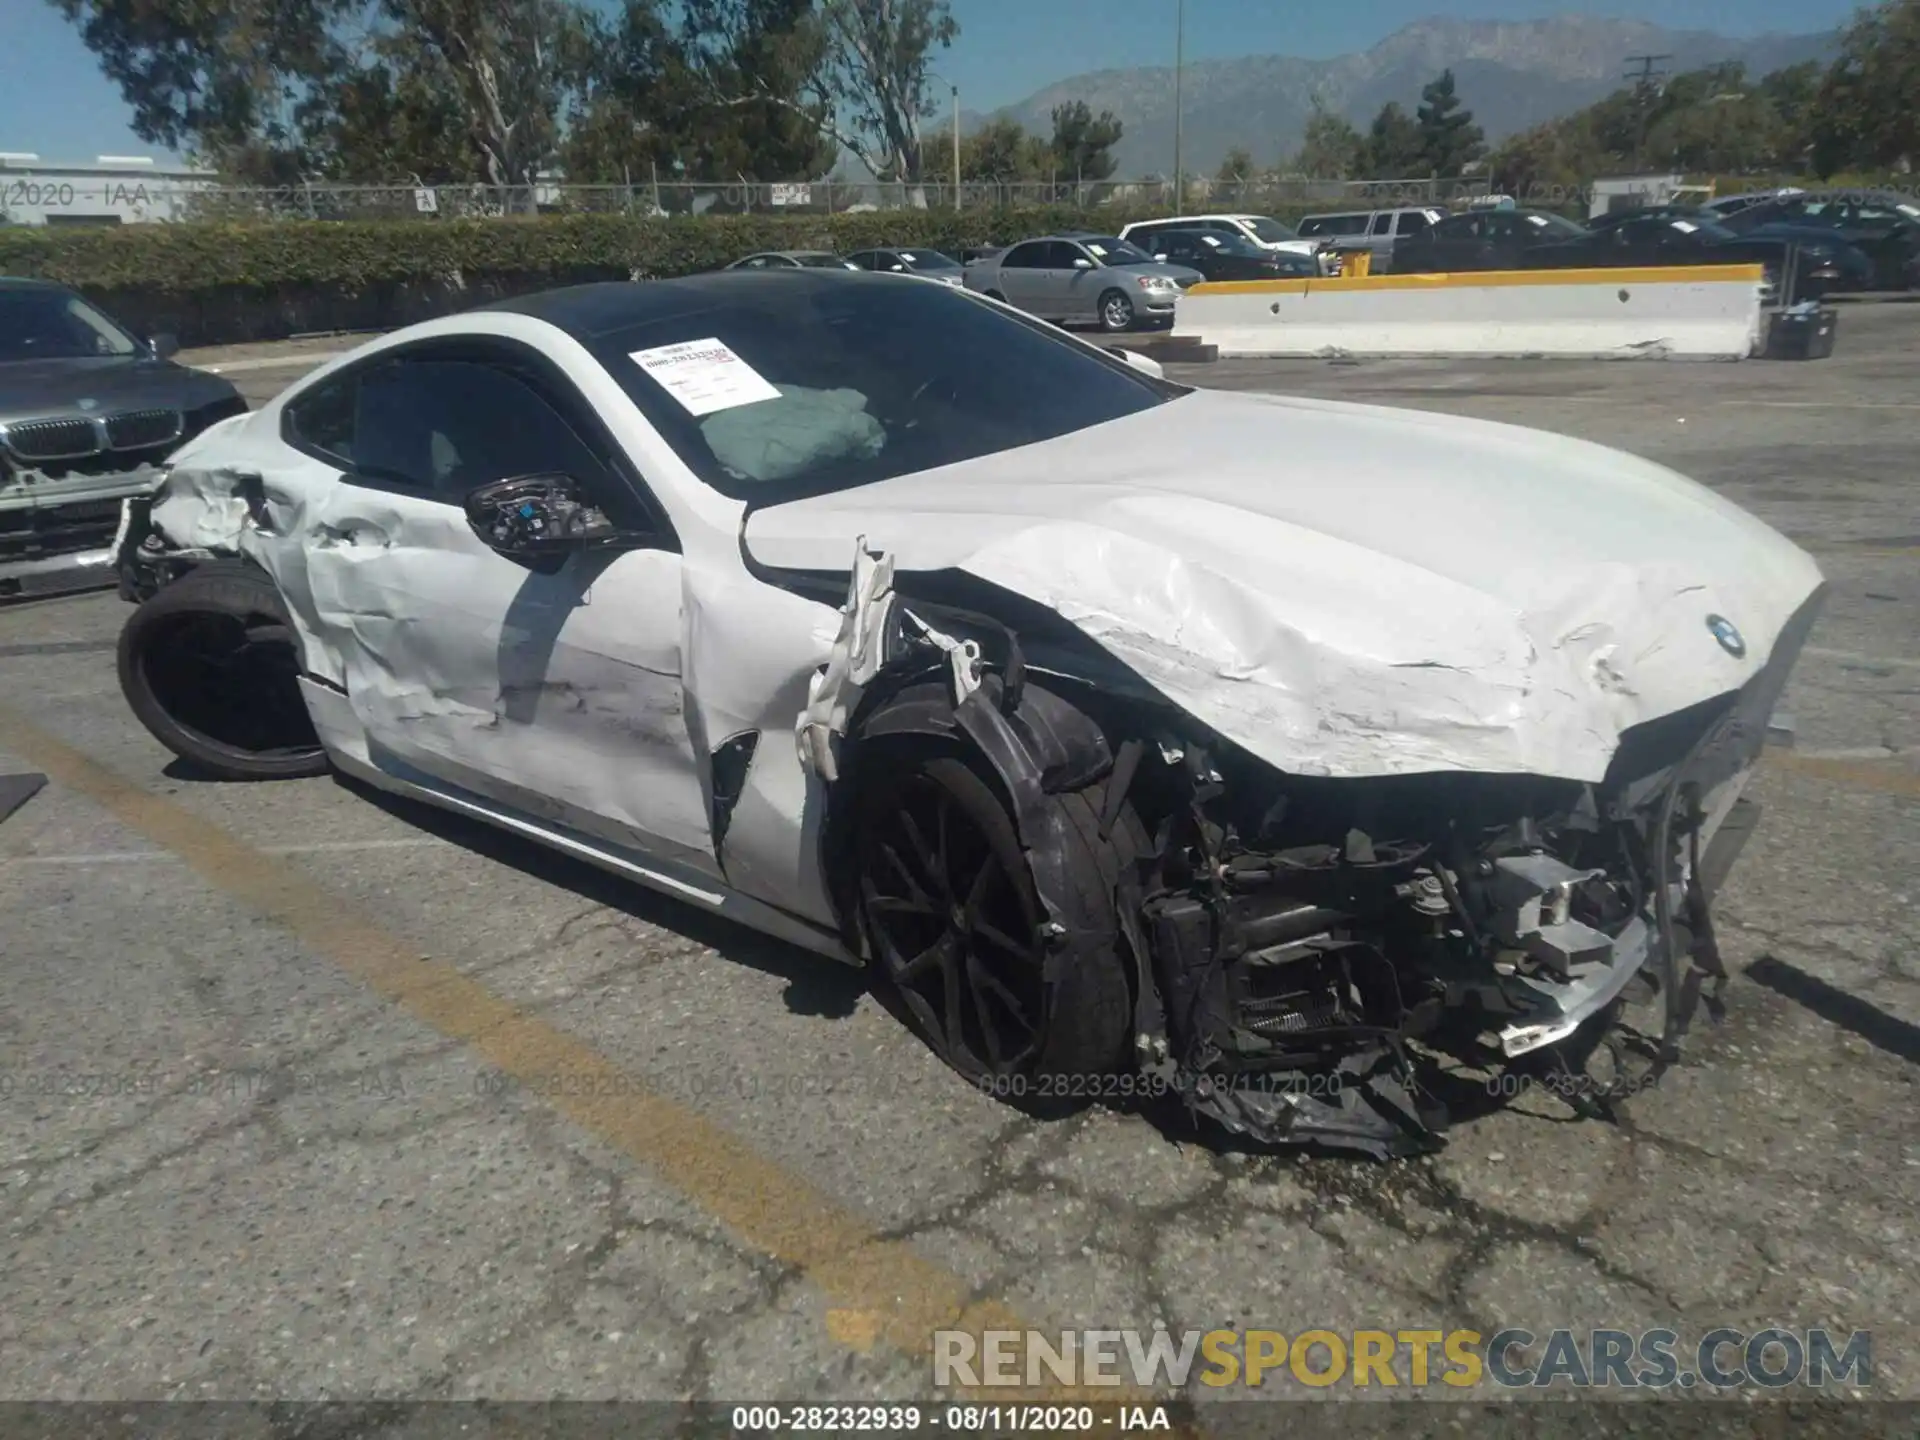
(1728, 634)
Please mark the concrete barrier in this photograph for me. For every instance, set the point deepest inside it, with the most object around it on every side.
(1694, 311)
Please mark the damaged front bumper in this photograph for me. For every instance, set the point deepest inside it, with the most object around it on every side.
(61, 574)
(68, 543)
(1524, 953)
(1309, 953)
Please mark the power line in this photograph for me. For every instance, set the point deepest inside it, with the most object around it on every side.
(1643, 87)
(1647, 72)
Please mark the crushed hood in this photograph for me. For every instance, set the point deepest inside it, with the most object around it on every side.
(1348, 589)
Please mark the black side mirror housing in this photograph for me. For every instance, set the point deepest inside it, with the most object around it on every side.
(163, 346)
(538, 520)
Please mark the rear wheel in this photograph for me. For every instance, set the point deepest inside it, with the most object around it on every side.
(210, 665)
(957, 928)
(1116, 312)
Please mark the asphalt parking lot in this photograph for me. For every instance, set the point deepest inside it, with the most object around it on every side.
(307, 1094)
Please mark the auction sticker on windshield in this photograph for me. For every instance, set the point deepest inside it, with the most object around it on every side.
(704, 376)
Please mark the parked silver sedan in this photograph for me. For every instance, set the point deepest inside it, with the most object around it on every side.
(1085, 278)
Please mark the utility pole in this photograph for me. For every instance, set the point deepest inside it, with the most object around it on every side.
(956, 145)
(1643, 88)
(1179, 64)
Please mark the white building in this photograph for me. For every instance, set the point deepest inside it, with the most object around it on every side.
(108, 190)
(1630, 192)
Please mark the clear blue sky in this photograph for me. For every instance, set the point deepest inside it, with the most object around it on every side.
(56, 102)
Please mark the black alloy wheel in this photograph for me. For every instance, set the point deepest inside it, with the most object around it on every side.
(954, 919)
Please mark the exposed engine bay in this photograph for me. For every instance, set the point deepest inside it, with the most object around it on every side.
(1306, 951)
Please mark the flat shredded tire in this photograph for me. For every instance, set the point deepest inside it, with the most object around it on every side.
(210, 665)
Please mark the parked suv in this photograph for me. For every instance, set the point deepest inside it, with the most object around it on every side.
(1220, 256)
(1372, 230)
(1262, 230)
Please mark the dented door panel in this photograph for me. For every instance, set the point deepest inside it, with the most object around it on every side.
(559, 695)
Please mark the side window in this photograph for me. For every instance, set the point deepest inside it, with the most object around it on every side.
(1382, 224)
(1312, 225)
(1412, 222)
(321, 421)
(1061, 255)
(1144, 235)
(440, 428)
(1024, 257)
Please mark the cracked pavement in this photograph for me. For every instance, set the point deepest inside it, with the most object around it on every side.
(244, 1156)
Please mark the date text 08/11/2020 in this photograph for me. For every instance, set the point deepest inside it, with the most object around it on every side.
(949, 1419)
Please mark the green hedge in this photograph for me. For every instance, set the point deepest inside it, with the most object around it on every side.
(349, 255)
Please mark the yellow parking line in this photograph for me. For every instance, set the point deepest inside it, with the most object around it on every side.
(1886, 777)
(884, 1290)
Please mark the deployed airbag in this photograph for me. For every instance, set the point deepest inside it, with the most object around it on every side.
(778, 439)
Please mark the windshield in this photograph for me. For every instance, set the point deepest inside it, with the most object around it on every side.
(1704, 228)
(1230, 245)
(1269, 230)
(1109, 251)
(1556, 226)
(830, 384)
(38, 324)
(928, 260)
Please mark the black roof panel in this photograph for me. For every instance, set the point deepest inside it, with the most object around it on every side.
(584, 311)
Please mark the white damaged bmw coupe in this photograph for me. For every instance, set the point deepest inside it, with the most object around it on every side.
(1257, 750)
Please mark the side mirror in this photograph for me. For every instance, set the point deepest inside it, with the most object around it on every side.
(162, 347)
(1142, 363)
(1082, 263)
(1161, 258)
(537, 520)
(898, 269)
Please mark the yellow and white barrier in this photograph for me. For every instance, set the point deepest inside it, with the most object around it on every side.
(1696, 311)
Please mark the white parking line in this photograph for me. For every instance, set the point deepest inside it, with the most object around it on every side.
(136, 857)
(271, 362)
(1451, 392)
(1855, 657)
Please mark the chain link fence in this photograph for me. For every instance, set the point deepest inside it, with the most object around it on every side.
(51, 196)
(408, 201)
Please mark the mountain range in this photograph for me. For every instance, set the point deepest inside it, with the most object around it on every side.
(1512, 74)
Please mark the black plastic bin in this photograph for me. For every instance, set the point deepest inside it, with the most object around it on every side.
(1802, 333)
